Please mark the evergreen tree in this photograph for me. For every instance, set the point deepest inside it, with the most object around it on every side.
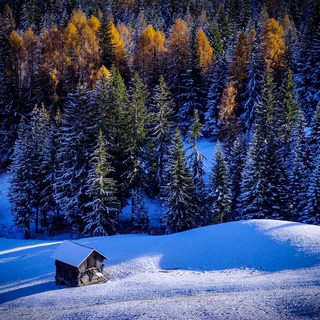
(76, 148)
(299, 162)
(39, 133)
(161, 130)
(141, 218)
(21, 187)
(102, 217)
(193, 93)
(137, 131)
(50, 167)
(236, 161)
(314, 141)
(196, 163)
(218, 83)
(253, 92)
(311, 214)
(181, 213)
(220, 193)
(287, 112)
(264, 189)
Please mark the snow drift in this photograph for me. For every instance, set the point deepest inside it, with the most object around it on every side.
(273, 266)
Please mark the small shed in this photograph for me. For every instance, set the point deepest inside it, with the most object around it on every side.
(78, 265)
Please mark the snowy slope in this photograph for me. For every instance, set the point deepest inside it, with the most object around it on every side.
(241, 270)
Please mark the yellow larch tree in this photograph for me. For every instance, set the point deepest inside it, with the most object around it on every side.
(273, 44)
(17, 57)
(150, 53)
(205, 51)
(177, 53)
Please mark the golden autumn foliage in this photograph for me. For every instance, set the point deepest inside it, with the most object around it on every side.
(103, 73)
(150, 51)
(178, 50)
(272, 43)
(228, 103)
(127, 38)
(117, 44)
(94, 23)
(205, 51)
(241, 56)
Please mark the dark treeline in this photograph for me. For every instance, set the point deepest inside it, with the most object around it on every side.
(97, 97)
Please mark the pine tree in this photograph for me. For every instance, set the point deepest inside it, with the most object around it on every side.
(102, 216)
(217, 85)
(193, 93)
(264, 189)
(181, 213)
(161, 129)
(288, 111)
(39, 133)
(50, 168)
(314, 141)
(141, 219)
(220, 193)
(299, 161)
(196, 164)
(76, 148)
(311, 214)
(253, 91)
(136, 162)
(236, 161)
(21, 187)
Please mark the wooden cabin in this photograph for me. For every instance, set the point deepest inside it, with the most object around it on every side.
(78, 265)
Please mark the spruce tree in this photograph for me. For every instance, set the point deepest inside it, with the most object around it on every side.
(196, 164)
(181, 211)
(161, 128)
(39, 132)
(102, 217)
(50, 168)
(236, 161)
(264, 188)
(21, 187)
(76, 148)
(311, 214)
(220, 192)
(217, 84)
(299, 163)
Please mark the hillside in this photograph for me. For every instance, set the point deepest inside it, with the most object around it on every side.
(241, 270)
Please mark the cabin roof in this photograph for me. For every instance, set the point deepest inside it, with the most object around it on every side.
(73, 253)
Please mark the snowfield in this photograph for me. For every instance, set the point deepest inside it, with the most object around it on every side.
(258, 269)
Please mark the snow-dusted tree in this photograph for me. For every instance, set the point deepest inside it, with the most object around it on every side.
(253, 92)
(264, 188)
(76, 148)
(193, 92)
(102, 217)
(218, 83)
(311, 214)
(236, 161)
(220, 192)
(314, 140)
(308, 71)
(39, 132)
(196, 162)
(21, 187)
(181, 210)
(287, 111)
(137, 116)
(162, 130)
(140, 216)
(299, 163)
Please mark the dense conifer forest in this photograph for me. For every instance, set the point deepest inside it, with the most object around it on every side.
(98, 100)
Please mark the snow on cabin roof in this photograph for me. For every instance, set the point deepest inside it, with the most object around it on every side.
(73, 253)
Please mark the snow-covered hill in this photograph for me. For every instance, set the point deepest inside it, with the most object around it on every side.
(240, 270)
